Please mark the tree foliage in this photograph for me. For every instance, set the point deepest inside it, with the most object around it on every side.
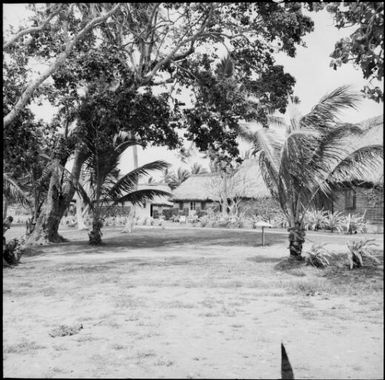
(365, 46)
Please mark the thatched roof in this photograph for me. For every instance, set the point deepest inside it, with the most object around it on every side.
(247, 183)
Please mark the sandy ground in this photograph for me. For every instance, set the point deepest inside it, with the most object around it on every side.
(188, 304)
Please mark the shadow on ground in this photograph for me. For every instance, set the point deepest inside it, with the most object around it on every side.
(163, 240)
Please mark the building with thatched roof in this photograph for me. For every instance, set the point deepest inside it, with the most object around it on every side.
(201, 191)
(362, 194)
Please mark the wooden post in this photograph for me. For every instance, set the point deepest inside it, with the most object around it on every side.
(263, 236)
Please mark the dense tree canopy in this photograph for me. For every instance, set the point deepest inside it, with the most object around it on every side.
(123, 66)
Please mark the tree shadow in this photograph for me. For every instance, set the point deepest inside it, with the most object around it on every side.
(161, 240)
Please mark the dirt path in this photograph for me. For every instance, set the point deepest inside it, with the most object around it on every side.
(186, 304)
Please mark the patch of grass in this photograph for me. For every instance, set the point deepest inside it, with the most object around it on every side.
(164, 363)
(23, 347)
(59, 348)
(145, 355)
(118, 347)
(64, 330)
(312, 286)
(178, 305)
(209, 315)
(87, 338)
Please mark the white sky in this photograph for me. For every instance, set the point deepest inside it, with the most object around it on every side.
(310, 67)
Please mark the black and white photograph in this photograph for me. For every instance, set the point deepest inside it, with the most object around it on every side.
(193, 190)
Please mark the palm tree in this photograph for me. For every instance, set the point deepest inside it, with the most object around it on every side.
(105, 188)
(313, 153)
(197, 168)
(174, 180)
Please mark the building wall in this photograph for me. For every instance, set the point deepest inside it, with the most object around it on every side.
(365, 201)
(202, 205)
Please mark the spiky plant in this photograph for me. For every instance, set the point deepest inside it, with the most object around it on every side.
(317, 256)
(176, 179)
(356, 223)
(335, 221)
(315, 219)
(360, 249)
(105, 189)
(197, 168)
(310, 154)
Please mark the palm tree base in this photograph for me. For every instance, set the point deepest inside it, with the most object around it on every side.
(95, 238)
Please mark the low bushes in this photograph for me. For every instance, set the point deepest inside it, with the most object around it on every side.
(334, 222)
(13, 250)
(317, 256)
(360, 253)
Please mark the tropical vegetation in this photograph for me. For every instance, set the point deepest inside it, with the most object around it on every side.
(304, 157)
(104, 187)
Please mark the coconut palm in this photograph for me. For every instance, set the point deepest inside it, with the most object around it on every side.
(313, 152)
(197, 168)
(105, 188)
(174, 180)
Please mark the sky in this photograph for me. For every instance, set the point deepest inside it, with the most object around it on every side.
(310, 68)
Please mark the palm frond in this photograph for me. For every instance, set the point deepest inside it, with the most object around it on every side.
(141, 196)
(362, 163)
(270, 143)
(129, 181)
(327, 111)
(12, 190)
(276, 121)
(226, 67)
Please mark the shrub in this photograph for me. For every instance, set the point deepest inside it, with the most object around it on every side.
(356, 224)
(335, 221)
(168, 213)
(315, 219)
(13, 250)
(204, 221)
(201, 213)
(317, 256)
(360, 249)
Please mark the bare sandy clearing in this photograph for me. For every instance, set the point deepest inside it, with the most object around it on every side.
(187, 303)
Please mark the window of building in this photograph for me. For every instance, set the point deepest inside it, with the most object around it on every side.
(192, 205)
(350, 199)
(180, 205)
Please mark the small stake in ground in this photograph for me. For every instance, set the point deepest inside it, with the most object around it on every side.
(263, 225)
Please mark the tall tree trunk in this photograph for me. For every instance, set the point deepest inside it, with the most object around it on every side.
(129, 227)
(47, 224)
